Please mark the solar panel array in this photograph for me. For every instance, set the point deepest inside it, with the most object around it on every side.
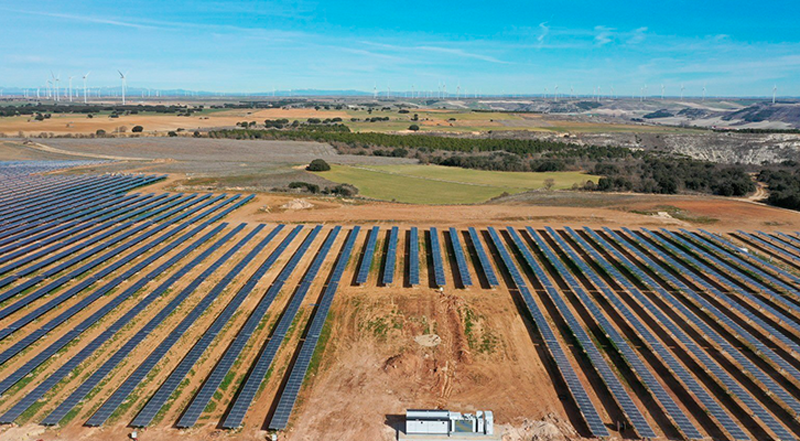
(288, 396)
(708, 328)
(689, 381)
(391, 257)
(258, 371)
(670, 407)
(710, 364)
(485, 265)
(413, 256)
(436, 254)
(246, 331)
(461, 259)
(749, 367)
(576, 389)
(613, 383)
(366, 260)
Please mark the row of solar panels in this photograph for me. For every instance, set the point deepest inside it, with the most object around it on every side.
(66, 199)
(23, 169)
(434, 248)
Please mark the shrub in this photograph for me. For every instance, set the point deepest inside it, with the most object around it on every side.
(137, 129)
(172, 134)
(318, 165)
(305, 186)
(413, 127)
(345, 190)
(100, 132)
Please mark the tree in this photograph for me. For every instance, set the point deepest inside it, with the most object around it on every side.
(318, 165)
(137, 129)
(172, 134)
(413, 127)
(100, 132)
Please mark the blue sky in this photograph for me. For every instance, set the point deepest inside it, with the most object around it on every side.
(737, 48)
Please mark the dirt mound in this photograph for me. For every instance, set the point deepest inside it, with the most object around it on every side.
(297, 204)
(428, 340)
(550, 428)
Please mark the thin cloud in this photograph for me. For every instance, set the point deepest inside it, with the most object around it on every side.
(603, 36)
(85, 18)
(544, 31)
(638, 35)
(462, 54)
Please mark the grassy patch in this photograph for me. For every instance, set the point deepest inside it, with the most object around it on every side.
(679, 214)
(431, 184)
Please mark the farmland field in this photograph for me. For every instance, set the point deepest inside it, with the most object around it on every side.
(431, 184)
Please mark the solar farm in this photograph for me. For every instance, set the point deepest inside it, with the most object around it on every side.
(123, 308)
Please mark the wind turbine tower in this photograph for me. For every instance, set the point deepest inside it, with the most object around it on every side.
(555, 94)
(774, 93)
(682, 87)
(704, 91)
(84, 87)
(55, 85)
(124, 84)
(70, 88)
(662, 92)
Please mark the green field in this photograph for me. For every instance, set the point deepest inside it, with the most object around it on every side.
(431, 184)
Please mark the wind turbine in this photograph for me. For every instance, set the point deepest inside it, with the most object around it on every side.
(682, 87)
(612, 93)
(47, 88)
(662, 92)
(70, 88)
(124, 84)
(704, 91)
(571, 92)
(598, 93)
(774, 93)
(55, 84)
(555, 94)
(375, 92)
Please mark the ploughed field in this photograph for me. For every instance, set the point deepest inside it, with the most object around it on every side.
(121, 308)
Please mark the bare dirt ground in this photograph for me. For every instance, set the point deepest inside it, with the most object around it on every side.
(63, 124)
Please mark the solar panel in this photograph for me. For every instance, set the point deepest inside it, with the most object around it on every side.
(366, 260)
(461, 260)
(730, 273)
(89, 384)
(212, 382)
(258, 372)
(485, 266)
(108, 307)
(288, 396)
(611, 381)
(727, 247)
(685, 377)
(145, 366)
(620, 343)
(688, 262)
(391, 257)
(748, 367)
(579, 394)
(95, 344)
(436, 254)
(413, 257)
